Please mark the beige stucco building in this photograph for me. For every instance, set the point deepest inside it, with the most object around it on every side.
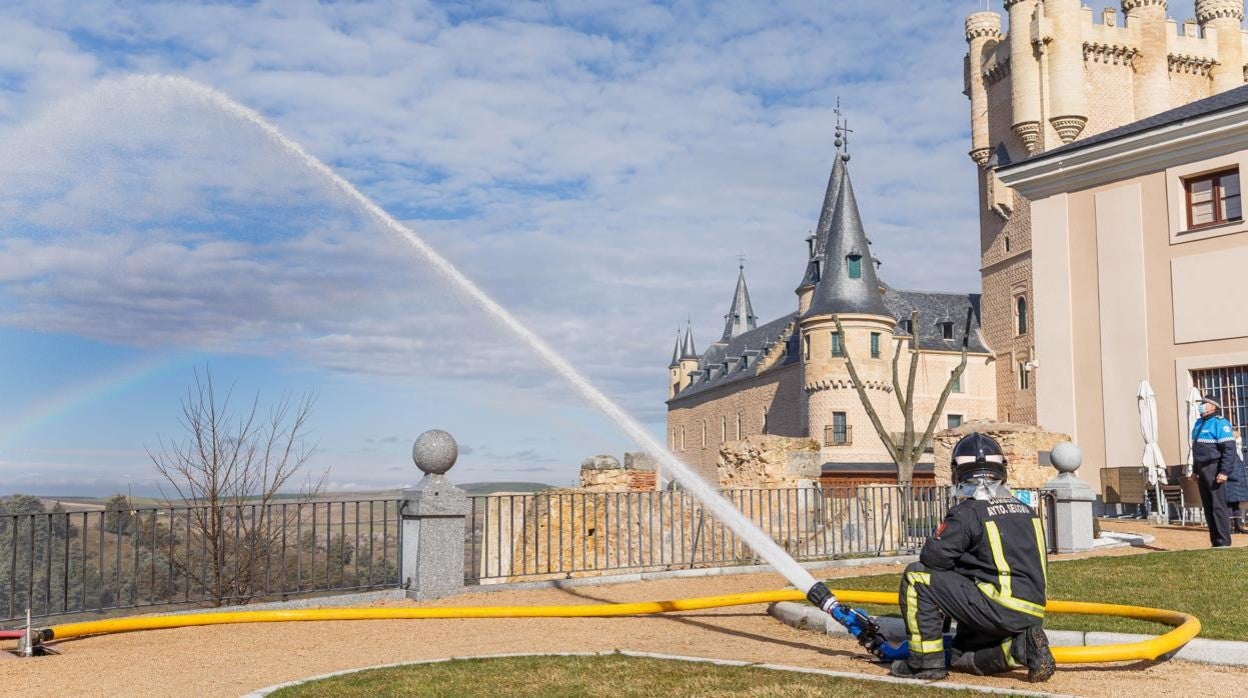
(1139, 250)
(1064, 73)
(789, 376)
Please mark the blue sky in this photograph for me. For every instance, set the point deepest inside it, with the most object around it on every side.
(597, 166)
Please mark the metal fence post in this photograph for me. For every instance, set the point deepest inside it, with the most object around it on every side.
(433, 516)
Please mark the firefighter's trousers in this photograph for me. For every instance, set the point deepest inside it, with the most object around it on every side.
(986, 628)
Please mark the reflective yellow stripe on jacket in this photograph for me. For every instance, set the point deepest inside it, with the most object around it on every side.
(1002, 593)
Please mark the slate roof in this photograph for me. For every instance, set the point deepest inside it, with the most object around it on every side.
(1203, 107)
(935, 308)
(751, 345)
(820, 242)
(836, 291)
(740, 317)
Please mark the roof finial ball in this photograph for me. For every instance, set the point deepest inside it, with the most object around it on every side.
(435, 452)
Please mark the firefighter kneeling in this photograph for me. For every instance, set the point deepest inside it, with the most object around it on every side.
(985, 568)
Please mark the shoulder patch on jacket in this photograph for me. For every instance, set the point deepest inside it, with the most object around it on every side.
(941, 529)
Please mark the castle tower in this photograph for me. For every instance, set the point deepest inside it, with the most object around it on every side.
(983, 33)
(688, 362)
(1058, 76)
(848, 289)
(1225, 18)
(1066, 79)
(740, 317)
(1146, 19)
(673, 370)
(1024, 74)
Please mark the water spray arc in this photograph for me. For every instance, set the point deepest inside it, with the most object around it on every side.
(722, 509)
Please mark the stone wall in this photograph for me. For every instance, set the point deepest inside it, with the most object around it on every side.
(603, 473)
(699, 425)
(1021, 444)
(768, 461)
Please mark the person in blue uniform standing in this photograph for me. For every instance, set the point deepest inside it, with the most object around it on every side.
(1213, 462)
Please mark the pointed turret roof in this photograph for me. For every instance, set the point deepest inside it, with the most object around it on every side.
(825, 220)
(847, 282)
(740, 317)
(676, 351)
(687, 351)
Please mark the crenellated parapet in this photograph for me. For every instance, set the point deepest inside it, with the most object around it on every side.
(1209, 10)
(1109, 54)
(1129, 6)
(846, 383)
(983, 25)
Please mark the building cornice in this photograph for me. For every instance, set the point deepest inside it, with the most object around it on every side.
(1130, 156)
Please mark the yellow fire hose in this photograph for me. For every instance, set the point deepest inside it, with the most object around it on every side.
(1187, 626)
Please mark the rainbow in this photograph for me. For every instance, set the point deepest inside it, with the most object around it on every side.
(65, 401)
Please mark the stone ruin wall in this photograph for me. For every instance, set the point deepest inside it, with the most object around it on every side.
(618, 521)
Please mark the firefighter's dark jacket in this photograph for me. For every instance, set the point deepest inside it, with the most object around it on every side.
(998, 544)
(1213, 441)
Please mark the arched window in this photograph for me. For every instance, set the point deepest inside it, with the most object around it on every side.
(723, 429)
(764, 420)
(1020, 312)
(704, 433)
(738, 426)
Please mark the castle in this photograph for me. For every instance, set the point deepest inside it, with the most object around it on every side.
(1058, 76)
(789, 376)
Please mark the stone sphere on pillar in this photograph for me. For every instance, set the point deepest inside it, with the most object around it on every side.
(435, 452)
(1066, 457)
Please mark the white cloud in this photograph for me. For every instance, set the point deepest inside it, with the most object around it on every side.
(596, 166)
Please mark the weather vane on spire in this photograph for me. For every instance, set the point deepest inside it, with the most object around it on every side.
(845, 131)
(839, 131)
(741, 261)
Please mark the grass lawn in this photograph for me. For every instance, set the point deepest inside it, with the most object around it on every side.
(1209, 584)
(611, 675)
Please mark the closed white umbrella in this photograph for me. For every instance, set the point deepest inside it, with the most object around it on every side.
(1153, 462)
(1193, 415)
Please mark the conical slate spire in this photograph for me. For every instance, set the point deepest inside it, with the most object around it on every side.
(820, 243)
(686, 348)
(740, 317)
(676, 351)
(847, 282)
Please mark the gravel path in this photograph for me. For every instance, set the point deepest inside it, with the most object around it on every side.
(231, 660)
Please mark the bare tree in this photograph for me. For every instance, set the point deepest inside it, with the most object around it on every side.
(228, 468)
(904, 449)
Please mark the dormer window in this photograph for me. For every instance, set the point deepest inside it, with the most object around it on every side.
(810, 246)
(817, 270)
(946, 330)
(854, 265)
(907, 327)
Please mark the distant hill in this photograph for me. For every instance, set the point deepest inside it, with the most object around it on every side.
(492, 487)
(81, 503)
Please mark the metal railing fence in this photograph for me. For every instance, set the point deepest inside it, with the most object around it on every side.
(573, 534)
(58, 563)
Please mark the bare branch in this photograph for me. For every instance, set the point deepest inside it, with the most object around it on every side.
(885, 437)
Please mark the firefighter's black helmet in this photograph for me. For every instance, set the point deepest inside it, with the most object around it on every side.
(977, 455)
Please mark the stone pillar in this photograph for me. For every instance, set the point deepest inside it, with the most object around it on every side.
(1224, 17)
(433, 515)
(1072, 511)
(983, 31)
(1024, 74)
